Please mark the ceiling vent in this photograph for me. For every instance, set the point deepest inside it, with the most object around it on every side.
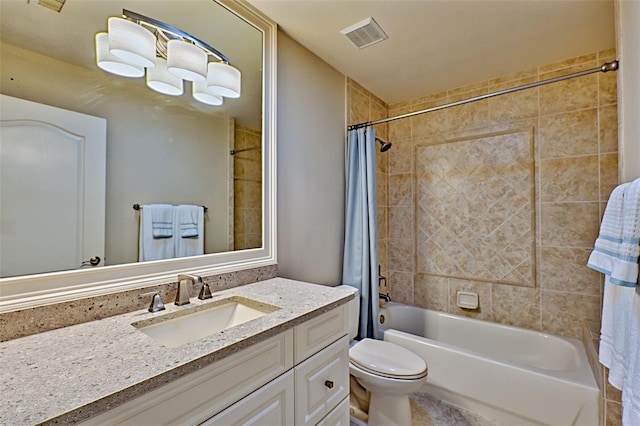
(365, 33)
(55, 5)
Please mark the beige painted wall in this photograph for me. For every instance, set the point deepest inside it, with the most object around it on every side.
(311, 146)
(155, 151)
(628, 40)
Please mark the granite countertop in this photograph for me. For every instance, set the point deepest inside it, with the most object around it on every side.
(68, 375)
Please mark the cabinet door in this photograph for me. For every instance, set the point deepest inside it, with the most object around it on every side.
(320, 332)
(272, 404)
(322, 382)
(339, 416)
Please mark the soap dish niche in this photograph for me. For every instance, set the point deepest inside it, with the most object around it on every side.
(467, 300)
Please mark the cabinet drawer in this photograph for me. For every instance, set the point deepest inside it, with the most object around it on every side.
(202, 394)
(320, 332)
(272, 404)
(339, 416)
(322, 382)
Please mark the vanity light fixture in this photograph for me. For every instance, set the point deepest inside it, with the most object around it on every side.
(135, 42)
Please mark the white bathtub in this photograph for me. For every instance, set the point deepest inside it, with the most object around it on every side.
(512, 375)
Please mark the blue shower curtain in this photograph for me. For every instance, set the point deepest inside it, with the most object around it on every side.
(361, 234)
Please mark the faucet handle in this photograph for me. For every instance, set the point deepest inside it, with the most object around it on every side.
(156, 304)
(205, 292)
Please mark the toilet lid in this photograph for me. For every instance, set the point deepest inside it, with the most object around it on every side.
(387, 359)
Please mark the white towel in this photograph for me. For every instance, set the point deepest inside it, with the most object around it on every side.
(613, 253)
(151, 248)
(188, 220)
(631, 388)
(617, 304)
(631, 236)
(161, 219)
(190, 246)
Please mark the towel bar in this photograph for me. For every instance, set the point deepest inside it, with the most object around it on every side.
(138, 207)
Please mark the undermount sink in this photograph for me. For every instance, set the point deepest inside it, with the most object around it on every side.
(194, 323)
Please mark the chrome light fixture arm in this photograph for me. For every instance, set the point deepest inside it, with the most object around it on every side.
(176, 32)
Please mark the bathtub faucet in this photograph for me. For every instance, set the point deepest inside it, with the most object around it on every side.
(385, 296)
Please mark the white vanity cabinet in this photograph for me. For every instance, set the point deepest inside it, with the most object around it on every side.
(298, 377)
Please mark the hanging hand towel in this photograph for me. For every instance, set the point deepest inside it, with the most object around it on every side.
(161, 219)
(188, 220)
(186, 245)
(151, 248)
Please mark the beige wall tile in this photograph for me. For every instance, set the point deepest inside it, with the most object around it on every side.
(469, 116)
(559, 315)
(608, 88)
(401, 222)
(383, 222)
(570, 134)
(569, 179)
(431, 292)
(382, 188)
(399, 130)
(401, 287)
(608, 120)
(400, 255)
(510, 78)
(613, 415)
(565, 269)
(383, 256)
(359, 106)
(608, 175)
(516, 306)
(436, 122)
(514, 106)
(484, 298)
(607, 55)
(401, 189)
(569, 224)
(382, 160)
(401, 157)
(568, 95)
(589, 60)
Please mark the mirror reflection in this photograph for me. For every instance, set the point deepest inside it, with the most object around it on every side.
(158, 148)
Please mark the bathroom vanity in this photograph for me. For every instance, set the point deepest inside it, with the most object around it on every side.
(289, 365)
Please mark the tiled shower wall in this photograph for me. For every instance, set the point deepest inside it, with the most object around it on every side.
(574, 129)
(247, 188)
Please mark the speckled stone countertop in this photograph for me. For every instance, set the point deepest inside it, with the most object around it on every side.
(68, 375)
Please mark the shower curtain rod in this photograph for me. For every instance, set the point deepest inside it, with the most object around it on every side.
(607, 66)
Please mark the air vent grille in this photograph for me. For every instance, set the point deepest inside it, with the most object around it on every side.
(365, 33)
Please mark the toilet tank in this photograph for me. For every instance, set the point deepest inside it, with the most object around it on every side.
(354, 310)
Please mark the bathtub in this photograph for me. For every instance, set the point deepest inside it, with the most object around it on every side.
(508, 374)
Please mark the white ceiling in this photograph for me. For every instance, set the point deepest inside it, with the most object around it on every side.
(439, 45)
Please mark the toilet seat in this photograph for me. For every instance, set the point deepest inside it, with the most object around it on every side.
(386, 359)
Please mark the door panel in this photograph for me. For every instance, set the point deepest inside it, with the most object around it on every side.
(52, 174)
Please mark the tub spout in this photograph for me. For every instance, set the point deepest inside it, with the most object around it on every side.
(385, 296)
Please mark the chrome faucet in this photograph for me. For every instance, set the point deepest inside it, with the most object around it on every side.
(182, 295)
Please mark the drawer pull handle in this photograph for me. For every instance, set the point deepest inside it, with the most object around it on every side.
(329, 384)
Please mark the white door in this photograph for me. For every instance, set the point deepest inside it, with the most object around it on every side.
(52, 188)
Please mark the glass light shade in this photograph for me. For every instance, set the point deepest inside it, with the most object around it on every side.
(162, 81)
(186, 60)
(107, 62)
(203, 94)
(131, 43)
(223, 79)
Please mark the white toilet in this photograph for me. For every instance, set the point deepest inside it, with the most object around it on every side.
(388, 371)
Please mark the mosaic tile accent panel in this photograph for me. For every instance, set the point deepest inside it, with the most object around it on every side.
(475, 216)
